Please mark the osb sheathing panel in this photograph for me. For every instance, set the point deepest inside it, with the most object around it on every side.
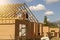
(56, 29)
(7, 31)
(45, 29)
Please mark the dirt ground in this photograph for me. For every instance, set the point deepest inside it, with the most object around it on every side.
(55, 38)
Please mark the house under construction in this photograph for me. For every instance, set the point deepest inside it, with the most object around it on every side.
(18, 23)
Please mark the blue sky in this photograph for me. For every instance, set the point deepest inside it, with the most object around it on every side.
(51, 8)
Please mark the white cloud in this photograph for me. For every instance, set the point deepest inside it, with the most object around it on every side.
(57, 19)
(48, 19)
(51, 1)
(28, 0)
(49, 13)
(37, 7)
